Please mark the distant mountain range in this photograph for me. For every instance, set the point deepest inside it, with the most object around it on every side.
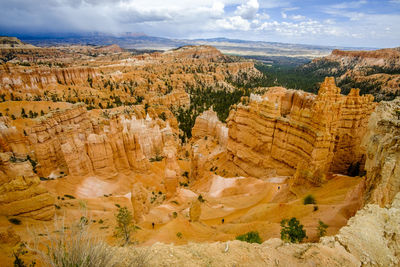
(225, 45)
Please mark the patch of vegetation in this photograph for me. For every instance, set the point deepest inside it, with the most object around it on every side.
(292, 231)
(125, 225)
(156, 158)
(78, 247)
(45, 179)
(201, 199)
(184, 184)
(321, 229)
(203, 98)
(18, 262)
(15, 221)
(163, 116)
(179, 235)
(69, 196)
(309, 199)
(250, 237)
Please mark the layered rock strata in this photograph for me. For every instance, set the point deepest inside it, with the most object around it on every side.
(20, 190)
(382, 144)
(70, 142)
(286, 130)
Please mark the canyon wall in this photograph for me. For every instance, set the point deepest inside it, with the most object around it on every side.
(382, 145)
(73, 142)
(375, 72)
(287, 130)
(20, 190)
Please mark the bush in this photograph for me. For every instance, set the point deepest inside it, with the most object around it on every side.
(292, 231)
(72, 246)
(250, 237)
(201, 199)
(15, 221)
(125, 225)
(69, 196)
(321, 228)
(76, 246)
(309, 199)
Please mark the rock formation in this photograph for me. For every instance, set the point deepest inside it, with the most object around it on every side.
(140, 201)
(20, 190)
(382, 146)
(287, 130)
(375, 72)
(208, 124)
(71, 142)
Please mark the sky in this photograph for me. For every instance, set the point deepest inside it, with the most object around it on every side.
(362, 23)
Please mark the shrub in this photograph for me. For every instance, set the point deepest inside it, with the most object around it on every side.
(72, 246)
(163, 116)
(179, 235)
(15, 221)
(69, 196)
(201, 199)
(125, 225)
(156, 158)
(292, 231)
(250, 237)
(309, 199)
(321, 228)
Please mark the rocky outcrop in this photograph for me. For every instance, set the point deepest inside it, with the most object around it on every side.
(140, 200)
(285, 130)
(20, 190)
(208, 124)
(383, 153)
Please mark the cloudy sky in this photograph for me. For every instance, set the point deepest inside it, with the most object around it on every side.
(366, 23)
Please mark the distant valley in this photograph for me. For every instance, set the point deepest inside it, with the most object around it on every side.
(225, 45)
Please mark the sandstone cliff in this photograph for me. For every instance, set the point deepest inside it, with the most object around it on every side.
(375, 72)
(288, 130)
(20, 190)
(383, 153)
(73, 143)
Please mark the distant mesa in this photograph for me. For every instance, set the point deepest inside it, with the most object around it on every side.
(13, 42)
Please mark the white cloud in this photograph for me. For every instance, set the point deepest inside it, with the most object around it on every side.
(263, 16)
(351, 4)
(244, 19)
(234, 23)
(297, 17)
(248, 10)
